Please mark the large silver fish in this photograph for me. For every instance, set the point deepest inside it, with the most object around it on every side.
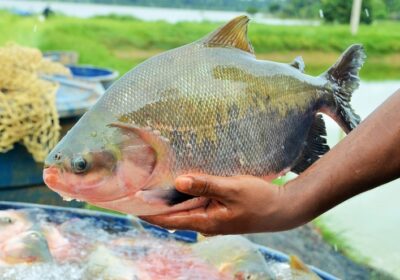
(209, 106)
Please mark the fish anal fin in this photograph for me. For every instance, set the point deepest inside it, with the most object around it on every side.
(298, 63)
(315, 145)
(233, 34)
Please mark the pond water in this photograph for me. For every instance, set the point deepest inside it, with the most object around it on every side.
(370, 222)
(145, 13)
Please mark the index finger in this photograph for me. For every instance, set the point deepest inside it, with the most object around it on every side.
(204, 185)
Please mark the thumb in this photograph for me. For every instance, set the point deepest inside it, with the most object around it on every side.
(203, 185)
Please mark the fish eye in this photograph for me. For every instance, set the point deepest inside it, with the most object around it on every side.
(6, 220)
(79, 164)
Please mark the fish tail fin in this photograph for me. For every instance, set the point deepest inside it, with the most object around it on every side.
(344, 80)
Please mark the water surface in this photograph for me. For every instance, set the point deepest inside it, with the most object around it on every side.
(85, 10)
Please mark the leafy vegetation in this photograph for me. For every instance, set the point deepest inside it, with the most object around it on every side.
(123, 42)
(340, 11)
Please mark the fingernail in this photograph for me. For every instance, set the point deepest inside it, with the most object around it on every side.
(184, 183)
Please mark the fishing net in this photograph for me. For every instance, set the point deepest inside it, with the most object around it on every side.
(27, 102)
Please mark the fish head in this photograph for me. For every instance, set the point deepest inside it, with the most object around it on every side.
(114, 165)
(26, 247)
(95, 162)
(13, 222)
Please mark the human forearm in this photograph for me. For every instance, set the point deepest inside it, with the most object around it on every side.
(368, 157)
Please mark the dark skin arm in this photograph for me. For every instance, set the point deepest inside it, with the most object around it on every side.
(368, 157)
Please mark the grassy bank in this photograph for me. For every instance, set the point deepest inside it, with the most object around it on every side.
(122, 42)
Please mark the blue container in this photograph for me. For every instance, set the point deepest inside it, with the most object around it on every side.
(95, 74)
(64, 57)
(121, 223)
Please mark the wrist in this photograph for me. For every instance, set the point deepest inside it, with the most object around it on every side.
(300, 203)
(286, 207)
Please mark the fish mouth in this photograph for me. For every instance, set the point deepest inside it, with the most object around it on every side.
(51, 177)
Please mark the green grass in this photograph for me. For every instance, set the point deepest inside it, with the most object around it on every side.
(96, 208)
(338, 242)
(123, 42)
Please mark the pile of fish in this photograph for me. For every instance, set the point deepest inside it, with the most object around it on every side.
(37, 245)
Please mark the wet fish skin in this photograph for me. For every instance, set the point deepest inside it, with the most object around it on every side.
(12, 223)
(209, 106)
(235, 256)
(26, 247)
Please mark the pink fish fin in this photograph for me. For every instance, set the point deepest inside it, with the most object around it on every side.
(162, 174)
(231, 35)
(269, 178)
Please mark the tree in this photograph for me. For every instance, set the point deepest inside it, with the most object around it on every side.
(340, 11)
(298, 8)
(393, 8)
(379, 8)
(251, 10)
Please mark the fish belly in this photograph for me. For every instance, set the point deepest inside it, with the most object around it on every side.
(260, 144)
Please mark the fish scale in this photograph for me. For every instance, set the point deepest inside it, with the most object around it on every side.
(211, 107)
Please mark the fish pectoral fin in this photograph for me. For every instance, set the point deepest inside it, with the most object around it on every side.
(162, 173)
(233, 34)
(315, 146)
(298, 63)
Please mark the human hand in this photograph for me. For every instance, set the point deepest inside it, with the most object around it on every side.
(239, 204)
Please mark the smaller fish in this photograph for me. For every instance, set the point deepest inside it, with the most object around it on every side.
(61, 248)
(28, 247)
(235, 256)
(13, 222)
(103, 264)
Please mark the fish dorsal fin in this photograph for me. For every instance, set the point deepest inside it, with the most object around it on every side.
(315, 146)
(233, 34)
(298, 63)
